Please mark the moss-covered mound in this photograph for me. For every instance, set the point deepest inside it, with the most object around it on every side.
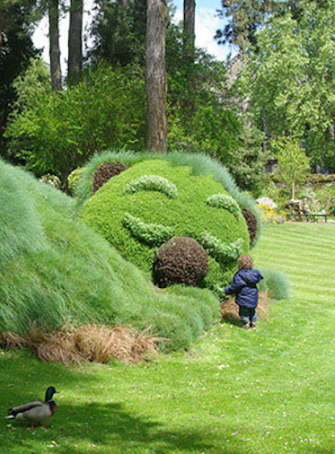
(55, 270)
(181, 260)
(154, 201)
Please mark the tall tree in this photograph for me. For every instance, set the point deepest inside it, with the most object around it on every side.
(55, 68)
(118, 30)
(156, 78)
(75, 61)
(290, 80)
(244, 17)
(16, 48)
(189, 22)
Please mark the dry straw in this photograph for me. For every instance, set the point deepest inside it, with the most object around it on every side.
(229, 309)
(85, 343)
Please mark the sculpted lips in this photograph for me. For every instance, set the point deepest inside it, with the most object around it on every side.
(157, 234)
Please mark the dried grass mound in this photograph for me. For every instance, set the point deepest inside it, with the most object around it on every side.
(10, 340)
(252, 224)
(86, 343)
(229, 309)
(105, 172)
(181, 260)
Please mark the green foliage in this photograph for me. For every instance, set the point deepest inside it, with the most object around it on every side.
(293, 164)
(289, 78)
(55, 270)
(200, 118)
(276, 282)
(118, 32)
(326, 197)
(246, 162)
(16, 49)
(150, 234)
(58, 132)
(220, 251)
(73, 179)
(199, 164)
(152, 183)
(151, 216)
(32, 84)
(20, 227)
(225, 202)
(51, 179)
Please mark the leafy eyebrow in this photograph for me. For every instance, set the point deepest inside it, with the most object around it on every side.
(152, 183)
(225, 202)
(151, 234)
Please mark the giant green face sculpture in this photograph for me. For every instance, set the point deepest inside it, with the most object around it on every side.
(152, 202)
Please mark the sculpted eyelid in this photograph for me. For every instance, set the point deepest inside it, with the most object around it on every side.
(152, 183)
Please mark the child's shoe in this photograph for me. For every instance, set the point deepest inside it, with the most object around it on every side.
(252, 325)
(245, 326)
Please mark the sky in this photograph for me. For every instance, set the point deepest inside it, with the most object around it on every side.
(206, 24)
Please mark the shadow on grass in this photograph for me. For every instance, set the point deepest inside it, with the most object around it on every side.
(84, 428)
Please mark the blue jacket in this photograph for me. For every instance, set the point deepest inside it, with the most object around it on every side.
(245, 288)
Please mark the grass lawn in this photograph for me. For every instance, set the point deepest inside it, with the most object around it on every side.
(269, 390)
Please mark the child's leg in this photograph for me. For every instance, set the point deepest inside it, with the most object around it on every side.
(253, 317)
(244, 315)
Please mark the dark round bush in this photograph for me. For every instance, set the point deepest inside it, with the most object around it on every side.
(181, 260)
(105, 172)
(252, 224)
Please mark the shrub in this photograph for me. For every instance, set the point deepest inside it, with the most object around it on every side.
(73, 179)
(137, 223)
(181, 260)
(276, 282)
(58, 132)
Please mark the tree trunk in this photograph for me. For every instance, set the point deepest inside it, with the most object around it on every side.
(156, 79)
(75, 61)
(189, 22)
(55, 69)
(1, 25)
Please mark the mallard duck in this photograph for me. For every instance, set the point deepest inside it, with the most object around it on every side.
(36, 411)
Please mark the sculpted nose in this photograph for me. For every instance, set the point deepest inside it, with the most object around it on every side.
(181, 260)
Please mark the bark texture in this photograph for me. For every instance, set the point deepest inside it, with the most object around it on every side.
(55, 69)
(189, 22)
(156, 79)
(75, 61)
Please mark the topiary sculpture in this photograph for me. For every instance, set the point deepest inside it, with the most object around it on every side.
(252, 224)
(181, 260)
(105, 172)
(154, 201)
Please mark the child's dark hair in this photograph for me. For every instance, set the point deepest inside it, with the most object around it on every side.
(245, 262)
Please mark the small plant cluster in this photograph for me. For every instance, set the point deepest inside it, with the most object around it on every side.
(272, 215)
(151, 234)
(53, 180)
(226, 202)
(222, 252)
(152, 183)
(73, 178)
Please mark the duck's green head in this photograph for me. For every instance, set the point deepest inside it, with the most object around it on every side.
(152, 202)
(49, 393)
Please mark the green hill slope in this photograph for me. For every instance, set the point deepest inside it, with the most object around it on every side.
(55, 270)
